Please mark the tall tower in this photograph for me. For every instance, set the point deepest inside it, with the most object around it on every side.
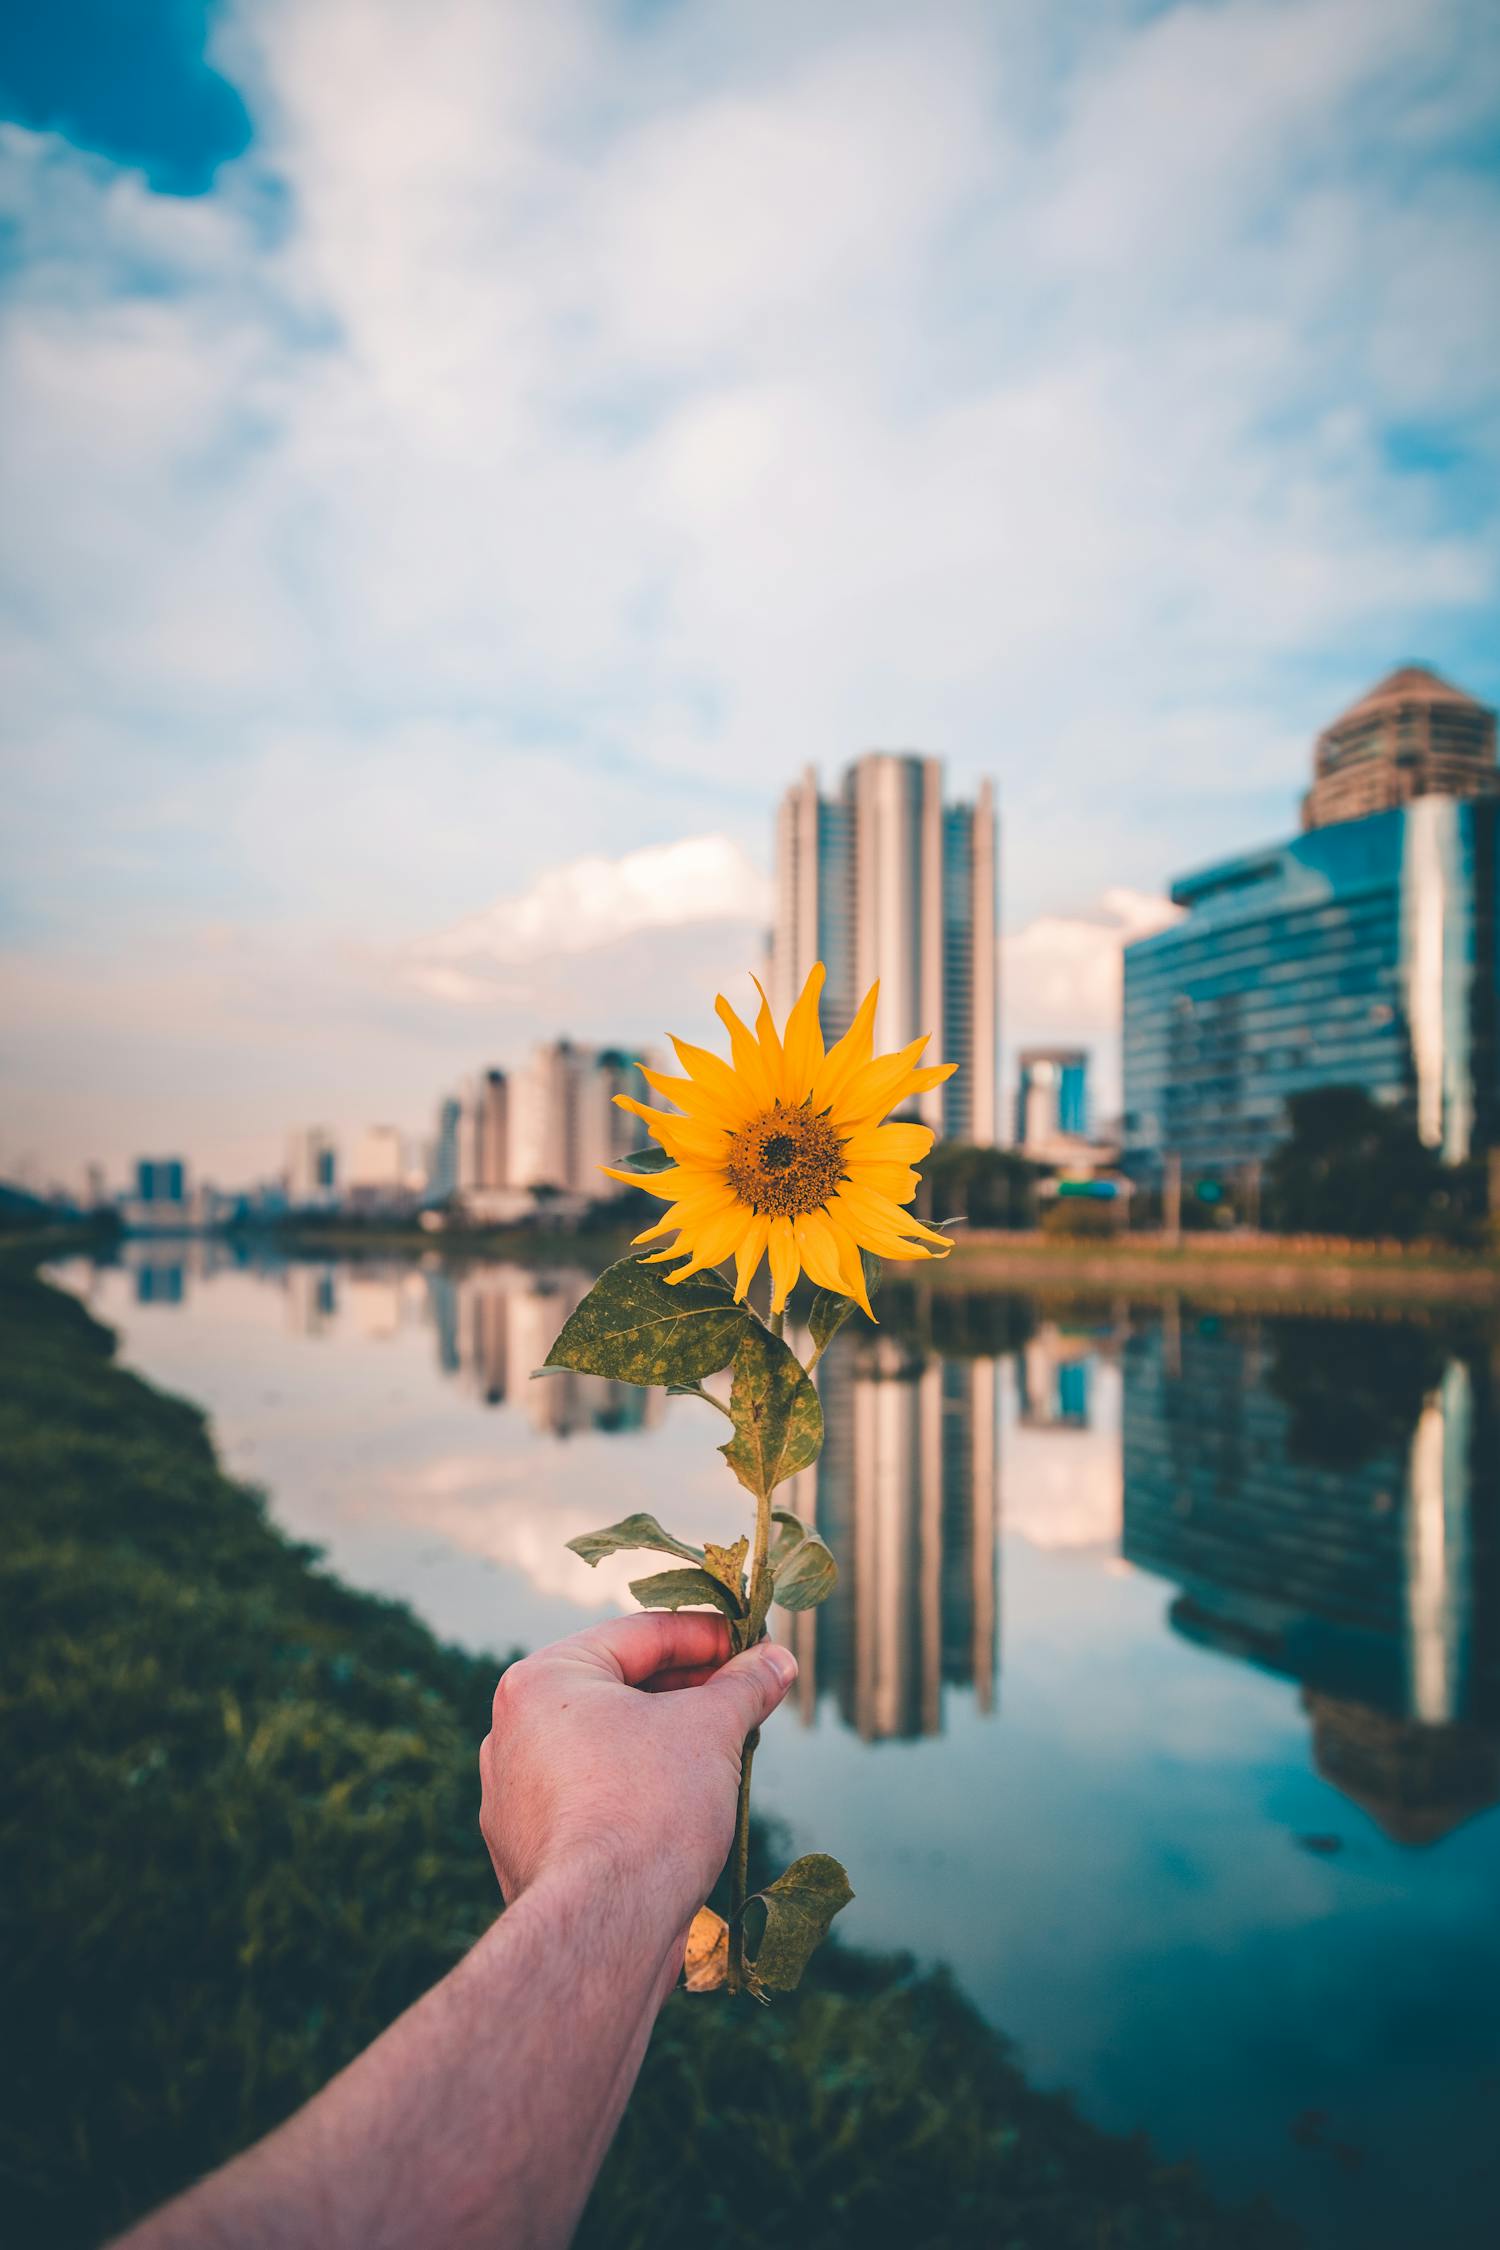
(885, 880)
(1413, 735)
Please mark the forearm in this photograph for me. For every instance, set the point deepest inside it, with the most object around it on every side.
(481, 2117)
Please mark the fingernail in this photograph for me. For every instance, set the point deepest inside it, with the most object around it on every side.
(782, 1662)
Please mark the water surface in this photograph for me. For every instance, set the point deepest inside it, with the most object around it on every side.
(1160, 1696)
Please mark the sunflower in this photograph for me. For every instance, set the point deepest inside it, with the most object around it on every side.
(781, 1152)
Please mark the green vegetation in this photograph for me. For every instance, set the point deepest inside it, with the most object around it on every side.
(239, 1834)
(1350, 1166)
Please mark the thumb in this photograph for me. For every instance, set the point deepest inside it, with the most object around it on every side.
(747, 1689)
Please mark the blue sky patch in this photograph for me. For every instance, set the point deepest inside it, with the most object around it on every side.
(126, 79)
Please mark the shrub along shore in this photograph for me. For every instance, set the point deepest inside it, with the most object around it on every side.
(239, 1835)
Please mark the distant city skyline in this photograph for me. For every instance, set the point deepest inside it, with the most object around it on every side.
(453, 492)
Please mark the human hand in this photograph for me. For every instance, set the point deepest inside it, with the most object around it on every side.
(592, 1765)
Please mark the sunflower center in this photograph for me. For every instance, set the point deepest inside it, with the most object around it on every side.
(785, 1163)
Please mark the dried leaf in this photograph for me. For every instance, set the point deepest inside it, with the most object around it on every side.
(636, 1327)
(829, 1312)
(806, 1575)
(685, 1589)
(799, 1909)
(706, 1962)
(727, 1564)
(778, 1423)
(635, 1531)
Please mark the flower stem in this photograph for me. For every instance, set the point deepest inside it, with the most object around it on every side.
(739, 1878)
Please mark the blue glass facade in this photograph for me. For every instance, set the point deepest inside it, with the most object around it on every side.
(1363, 954)
(160, 1179)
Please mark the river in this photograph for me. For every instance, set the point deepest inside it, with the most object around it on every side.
(1160, 1696)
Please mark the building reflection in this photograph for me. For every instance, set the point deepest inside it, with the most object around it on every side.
(906, 1492)
(1352, 1549)
(496, 1326)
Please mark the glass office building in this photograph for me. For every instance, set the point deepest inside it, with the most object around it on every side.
(1362, 954)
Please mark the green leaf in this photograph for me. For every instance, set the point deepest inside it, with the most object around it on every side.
(799, 1909)
(651, 1158)
(790, 1533)
(807, 1574)
(829, 1312)
(778, 1423)
(684, 1589)
(638, 1328)
(635, 1531)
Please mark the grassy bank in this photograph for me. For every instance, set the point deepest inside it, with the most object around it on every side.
(239, 1835)
(1251, 1270)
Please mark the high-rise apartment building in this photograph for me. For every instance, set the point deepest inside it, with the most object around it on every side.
(1052, 1097)
(883, 880)
(312, 1168)
(564, 1124)
(1365, 952)
(1413, 735)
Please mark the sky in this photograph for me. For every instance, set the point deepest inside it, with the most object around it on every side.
(459, 462)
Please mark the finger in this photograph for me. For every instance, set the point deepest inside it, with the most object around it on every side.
(658, 1640)
(689, 1675)
(746, 1690)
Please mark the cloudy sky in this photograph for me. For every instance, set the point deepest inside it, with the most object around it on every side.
(459, 460)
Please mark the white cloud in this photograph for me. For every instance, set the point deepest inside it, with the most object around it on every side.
(1061, 978)
(587, 905)
(595, 423)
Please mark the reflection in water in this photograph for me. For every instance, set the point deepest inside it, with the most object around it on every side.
(1109, 1862)
(906, 1493)
(1311, 1488)
(1355, 1568)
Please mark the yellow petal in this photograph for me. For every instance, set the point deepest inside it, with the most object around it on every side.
(851, 1117)
(868, 1205)
(898, 1181)
(749, 1062)
(685, 1138)
(872, 1088)
(802, 1049)
(848, 1054)
(770, 1043)
(819, 1252)
(710, 1240)
(687, 1094)
(781, 1247)
(851, 1265)
(884, 1144)
(730, 1095)
(749, 1254)
(667, 1185)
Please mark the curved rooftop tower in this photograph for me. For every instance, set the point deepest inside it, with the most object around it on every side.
(1413, 735)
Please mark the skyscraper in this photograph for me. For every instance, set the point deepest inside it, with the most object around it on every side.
(1413, 735)
(1052, 1096)
(885, 880)
(563, 1121)
(1365, 952)
(312, 1168)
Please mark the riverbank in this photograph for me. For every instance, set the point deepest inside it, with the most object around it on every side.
(240, 1836)
(1248, 1270)
(1234, 1271)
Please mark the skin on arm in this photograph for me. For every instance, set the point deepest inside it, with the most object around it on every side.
(481, 2117)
